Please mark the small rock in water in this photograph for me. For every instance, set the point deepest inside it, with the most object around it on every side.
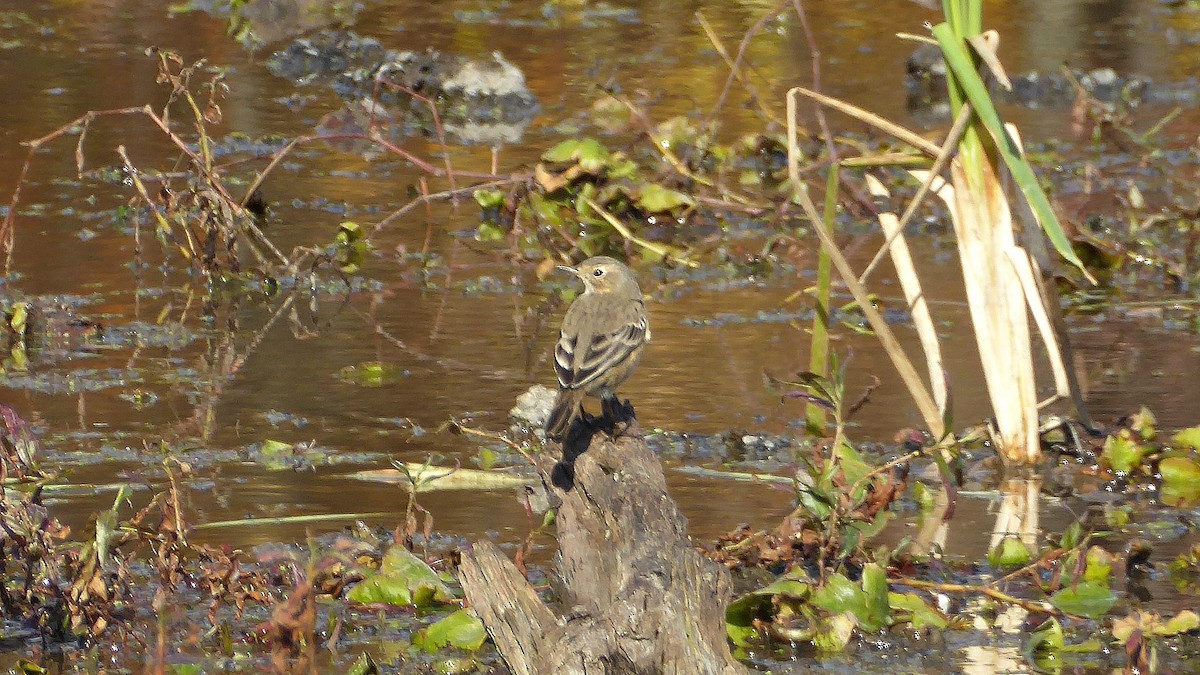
(533, 407)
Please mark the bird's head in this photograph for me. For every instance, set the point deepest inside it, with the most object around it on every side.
(603, 274)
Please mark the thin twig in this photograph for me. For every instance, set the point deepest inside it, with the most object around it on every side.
(948, 149)
(815, 57)
(480, 433)
(1000, 596)
(446, 194)
(632, 238)
(734, 64)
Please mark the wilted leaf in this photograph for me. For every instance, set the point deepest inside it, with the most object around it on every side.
(402, 579)
(1183, 622)
(834, 633)
(1143, 423)
(1149, 623)
(1086, 598)
(462, 629)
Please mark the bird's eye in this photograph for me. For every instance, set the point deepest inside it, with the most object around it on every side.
(598, 273)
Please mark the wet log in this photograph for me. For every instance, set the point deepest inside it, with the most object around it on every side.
(634, 596)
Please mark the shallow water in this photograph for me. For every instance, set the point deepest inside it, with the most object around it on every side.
(231, 377)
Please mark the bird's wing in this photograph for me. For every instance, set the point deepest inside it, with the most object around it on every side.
(578, 365)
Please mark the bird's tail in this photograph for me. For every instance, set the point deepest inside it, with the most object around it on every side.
(567, 408)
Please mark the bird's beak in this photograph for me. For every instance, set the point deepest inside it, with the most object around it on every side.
(568, 268)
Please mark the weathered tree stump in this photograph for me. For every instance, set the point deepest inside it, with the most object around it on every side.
(636, 596)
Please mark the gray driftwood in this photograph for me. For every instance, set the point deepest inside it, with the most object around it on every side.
(635, 597)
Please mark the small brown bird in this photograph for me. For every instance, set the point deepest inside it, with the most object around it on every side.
(600, 341)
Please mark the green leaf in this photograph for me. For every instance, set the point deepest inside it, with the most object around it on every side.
(924, 496)
(853, 466)
(1010, 552)
(364, 665)
(272, 448)
(740, 616)
(1071, 536)
(489, 232)
(1047, 638)
(654, 198)
(1188, 438)
(488, 199)
(742, 612)
(875, 585)
(19, 318)
(1086, 598)
(1122, 452)
(1048, 642)
(348, 233)
(372, 374)
(589, 153)
(840, 595)
(921, 613)
(1180, 481)
(462, 629)
(402, 579)
(563, 152)
(1099, 566)
(962, 69)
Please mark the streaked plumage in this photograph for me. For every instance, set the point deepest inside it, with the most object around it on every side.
(601, 340)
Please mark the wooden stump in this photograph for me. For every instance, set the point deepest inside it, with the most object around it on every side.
(635, 596)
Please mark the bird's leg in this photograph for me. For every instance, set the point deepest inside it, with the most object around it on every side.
(619, 415)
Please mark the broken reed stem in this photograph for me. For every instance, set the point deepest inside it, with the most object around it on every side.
(291, 520)
(914, 295)
(818, 351)
(999, 596)
(947, 151)
(908, 374)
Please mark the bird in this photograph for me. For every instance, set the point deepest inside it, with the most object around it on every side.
(601, 340)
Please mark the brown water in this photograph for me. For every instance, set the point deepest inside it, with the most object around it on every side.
(470, 352)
